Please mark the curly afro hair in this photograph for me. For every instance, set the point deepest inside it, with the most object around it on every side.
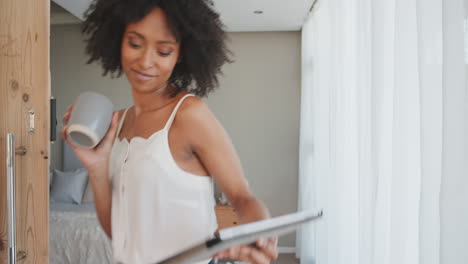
(195, 25)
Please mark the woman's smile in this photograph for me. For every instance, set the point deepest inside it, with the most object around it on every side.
(143, 76)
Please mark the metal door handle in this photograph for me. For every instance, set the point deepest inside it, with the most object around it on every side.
(11, 197)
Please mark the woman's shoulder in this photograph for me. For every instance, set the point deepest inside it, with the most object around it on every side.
(193, 107)
(194, 115)
(197, 123)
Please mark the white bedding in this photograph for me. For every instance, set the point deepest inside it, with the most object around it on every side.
(75, 235)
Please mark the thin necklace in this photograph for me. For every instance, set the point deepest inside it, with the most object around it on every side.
(161, 106)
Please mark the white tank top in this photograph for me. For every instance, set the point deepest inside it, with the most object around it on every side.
(157, 208)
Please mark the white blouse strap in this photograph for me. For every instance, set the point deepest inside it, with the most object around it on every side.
(173, 114)
(121, 123)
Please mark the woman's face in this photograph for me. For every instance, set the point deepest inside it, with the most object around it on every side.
(149, 52)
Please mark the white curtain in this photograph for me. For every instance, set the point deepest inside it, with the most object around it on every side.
(384, 132)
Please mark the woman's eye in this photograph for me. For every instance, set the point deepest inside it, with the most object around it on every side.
(133, 45)
(164, 54)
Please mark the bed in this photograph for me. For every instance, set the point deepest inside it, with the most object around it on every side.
(75, 235)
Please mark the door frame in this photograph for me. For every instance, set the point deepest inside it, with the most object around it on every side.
(25, 111)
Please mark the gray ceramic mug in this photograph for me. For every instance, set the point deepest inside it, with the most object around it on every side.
(90, 119)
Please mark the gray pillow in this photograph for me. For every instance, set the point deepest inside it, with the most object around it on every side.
(69, 186)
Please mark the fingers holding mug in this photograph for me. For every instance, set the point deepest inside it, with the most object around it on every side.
(111, 133)
(89, 119)
(66, 116)
(65, 119)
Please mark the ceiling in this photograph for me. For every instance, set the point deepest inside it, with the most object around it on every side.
(237, 15)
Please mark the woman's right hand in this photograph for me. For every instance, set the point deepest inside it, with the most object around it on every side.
(99, 156)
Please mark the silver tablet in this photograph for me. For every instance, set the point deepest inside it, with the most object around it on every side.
(243, 235)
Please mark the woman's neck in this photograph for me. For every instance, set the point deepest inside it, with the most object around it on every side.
(148, 102)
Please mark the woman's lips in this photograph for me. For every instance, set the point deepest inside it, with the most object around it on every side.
(142, 76)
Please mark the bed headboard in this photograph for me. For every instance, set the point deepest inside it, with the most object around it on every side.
(70, 162)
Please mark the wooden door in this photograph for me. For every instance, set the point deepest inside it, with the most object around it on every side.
(24, 111)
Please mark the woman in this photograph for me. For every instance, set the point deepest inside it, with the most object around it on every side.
(153, 173)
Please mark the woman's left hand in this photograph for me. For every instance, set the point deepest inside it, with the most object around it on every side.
(265, 251)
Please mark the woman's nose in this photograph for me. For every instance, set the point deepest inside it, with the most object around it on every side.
(148, 59)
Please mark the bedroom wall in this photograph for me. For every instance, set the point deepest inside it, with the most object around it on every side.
(258, 104)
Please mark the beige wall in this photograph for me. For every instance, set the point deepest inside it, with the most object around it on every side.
(258, 104)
